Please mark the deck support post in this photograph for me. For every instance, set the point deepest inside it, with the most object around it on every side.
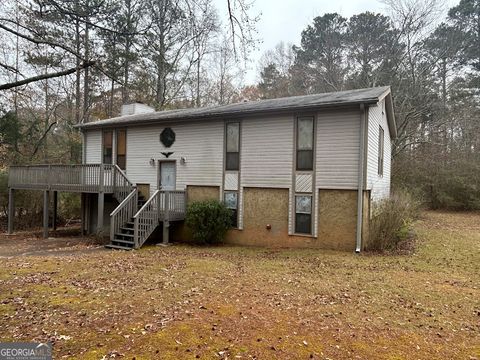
(45, 213)
(166, 219)
(101, 203)
(166, 232)
(55, 206)
(11, 210)
(82, 215)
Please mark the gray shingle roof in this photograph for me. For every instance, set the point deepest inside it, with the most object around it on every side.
(293, 103)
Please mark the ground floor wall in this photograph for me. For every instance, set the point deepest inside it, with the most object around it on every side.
(91, 212)
(266, 214)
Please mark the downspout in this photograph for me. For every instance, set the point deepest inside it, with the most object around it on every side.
(361, 168)
(84, 147)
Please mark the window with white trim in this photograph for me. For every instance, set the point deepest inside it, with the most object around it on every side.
(303, 214)
(232, 156)
(231, 202)
(381, 150)
(121, 153)
(107, 147)
(304, 143)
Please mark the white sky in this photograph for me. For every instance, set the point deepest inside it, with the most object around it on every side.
(284, 20)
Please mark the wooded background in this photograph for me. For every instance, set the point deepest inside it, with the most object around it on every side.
(64, 62)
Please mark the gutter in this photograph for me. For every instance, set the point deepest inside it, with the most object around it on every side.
(149, 118)
(361, 168)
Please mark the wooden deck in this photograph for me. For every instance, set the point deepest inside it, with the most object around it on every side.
(161, 208)
(86, 178)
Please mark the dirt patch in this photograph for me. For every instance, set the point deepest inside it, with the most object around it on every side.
(63, 241)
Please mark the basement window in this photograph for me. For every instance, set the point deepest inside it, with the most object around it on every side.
(232, 160)
(231, 202)
(303, 214)
(107, 147)
(381, 140)
(305, 143)
(121, 149)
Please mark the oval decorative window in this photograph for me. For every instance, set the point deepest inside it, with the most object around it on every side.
(167, 137)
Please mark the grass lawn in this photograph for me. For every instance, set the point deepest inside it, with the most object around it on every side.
(243, 303)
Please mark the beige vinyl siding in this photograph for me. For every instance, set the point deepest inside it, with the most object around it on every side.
(93, 147)
(337, 157)
(200, 143)
(266, 158)
(379, 185)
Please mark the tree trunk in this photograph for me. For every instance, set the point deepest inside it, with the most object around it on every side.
(77, 73)
(86, 75)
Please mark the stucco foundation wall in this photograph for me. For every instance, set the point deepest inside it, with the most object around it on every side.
(200, 193)
(337, 216)
(262, 206)
(337, 219)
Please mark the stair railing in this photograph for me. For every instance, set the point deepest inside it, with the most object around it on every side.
(123, 212)
(122, 186)
(146, 219)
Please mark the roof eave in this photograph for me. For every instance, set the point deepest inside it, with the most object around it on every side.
(108, 123)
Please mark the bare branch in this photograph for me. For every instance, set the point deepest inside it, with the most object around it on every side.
(45, 76)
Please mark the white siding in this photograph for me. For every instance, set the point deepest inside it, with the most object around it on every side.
(267, 152)
(93, 147)
(200, 143)
(338, 135)
(379, 185)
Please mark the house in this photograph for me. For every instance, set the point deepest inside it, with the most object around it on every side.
(298, 171)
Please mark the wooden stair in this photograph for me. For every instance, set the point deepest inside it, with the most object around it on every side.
(124, 240)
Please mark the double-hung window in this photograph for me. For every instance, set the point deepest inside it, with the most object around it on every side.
(121, 149)
(305, 143)
(232, 158)
(303, 214)
(304, 163)
(232, 163)
(381, 150)
(107, 147)
(231, 202)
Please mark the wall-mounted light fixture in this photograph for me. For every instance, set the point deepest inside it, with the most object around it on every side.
(152, 162)
(183, 160)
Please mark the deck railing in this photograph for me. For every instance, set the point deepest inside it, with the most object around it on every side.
(164, 206)
(123, 213)
(74, 178)
(172, 205)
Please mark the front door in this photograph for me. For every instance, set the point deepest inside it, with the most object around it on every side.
(167, 175)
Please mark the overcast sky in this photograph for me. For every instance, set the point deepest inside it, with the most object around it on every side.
(284, 20)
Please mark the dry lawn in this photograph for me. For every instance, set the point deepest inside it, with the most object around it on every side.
(185, 302)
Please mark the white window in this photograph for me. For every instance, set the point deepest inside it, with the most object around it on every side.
(303, 214)
(381, 139)
(305, 143)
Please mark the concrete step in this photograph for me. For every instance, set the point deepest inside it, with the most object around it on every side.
(111, 246)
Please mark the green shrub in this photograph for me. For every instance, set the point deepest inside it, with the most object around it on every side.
(391, 223)
(209, 221)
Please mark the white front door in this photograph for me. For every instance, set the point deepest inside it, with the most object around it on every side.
(167, 175)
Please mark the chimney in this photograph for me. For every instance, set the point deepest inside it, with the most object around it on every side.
(135, 108)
